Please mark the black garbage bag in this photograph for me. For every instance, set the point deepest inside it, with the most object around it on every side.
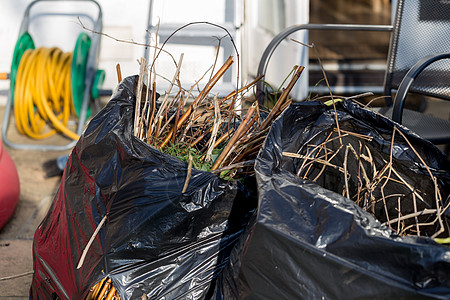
(309, 242)
(155, 240)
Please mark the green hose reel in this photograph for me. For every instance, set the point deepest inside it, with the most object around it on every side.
(78, 69)
(24, 43)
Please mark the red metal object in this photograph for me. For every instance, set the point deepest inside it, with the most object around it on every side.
(9, 187)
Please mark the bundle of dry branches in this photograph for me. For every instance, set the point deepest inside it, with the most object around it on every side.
(349, 163)
(211, 133)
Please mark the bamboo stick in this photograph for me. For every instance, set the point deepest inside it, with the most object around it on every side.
(104, 289)
(223, 137)
(119, 73)
(166, 96)
(97, 288)
(234, 138)
(188, 175)
(325, 162)
(283, 97)
(234, 166)
(137, 110)
(217, 123)
(152, 110)
(233, 93)
(91, 240)
(178, 114)
(111, 293)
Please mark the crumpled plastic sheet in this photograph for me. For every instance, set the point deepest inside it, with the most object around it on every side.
(155, 240)
(307, 242)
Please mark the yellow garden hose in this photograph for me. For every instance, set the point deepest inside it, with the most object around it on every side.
(42, 93)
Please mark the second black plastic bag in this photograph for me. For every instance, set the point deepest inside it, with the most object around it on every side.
(309, 242)
(154, 239)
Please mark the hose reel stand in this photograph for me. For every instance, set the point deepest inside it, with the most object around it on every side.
(85, 78)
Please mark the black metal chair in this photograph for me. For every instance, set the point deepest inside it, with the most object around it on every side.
(418, 61)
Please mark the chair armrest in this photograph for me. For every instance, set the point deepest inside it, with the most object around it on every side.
(262, 67)
(404, 86)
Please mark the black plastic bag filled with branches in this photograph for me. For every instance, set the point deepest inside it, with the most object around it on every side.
(322, 230)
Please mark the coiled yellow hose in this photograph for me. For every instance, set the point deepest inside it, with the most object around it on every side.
(42, 93)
